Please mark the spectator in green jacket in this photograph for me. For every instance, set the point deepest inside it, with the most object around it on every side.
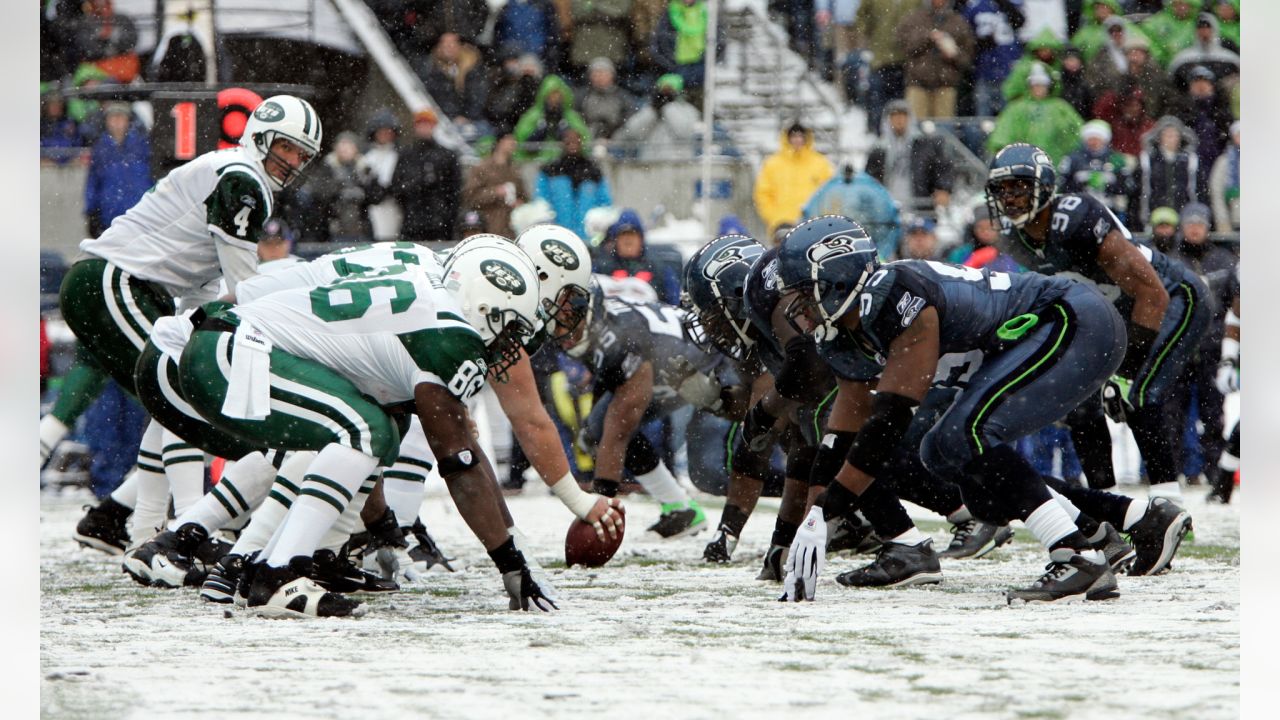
(1092, 35)
(1038, 118)
(1173, 29)
(1228, 12)
(540, 127)
(1045, 49)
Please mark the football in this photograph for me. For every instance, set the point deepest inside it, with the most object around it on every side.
(583, 547)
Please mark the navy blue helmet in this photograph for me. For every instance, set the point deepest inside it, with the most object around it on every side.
(1020, 183)
(714, 281)
(824, 263)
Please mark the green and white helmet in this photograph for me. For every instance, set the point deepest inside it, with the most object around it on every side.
(497, 287)
(564, 269)
(282, 116)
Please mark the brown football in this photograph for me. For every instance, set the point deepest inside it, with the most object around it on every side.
(583, 547)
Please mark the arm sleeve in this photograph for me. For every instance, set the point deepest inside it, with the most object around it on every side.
(238, 263)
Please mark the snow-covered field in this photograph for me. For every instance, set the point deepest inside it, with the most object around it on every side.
(657, 633)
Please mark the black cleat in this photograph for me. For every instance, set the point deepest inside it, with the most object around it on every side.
(974, 538)
(774, 558)
(166, 560)
(851, 532)
(220, 584)
(1119, 553)
(1069, 576)
(336, 573)
(721, 547)
(104, 527)
(678, 520)
(423, 550)
(289, 592)
(897, 565)
(1157, 535)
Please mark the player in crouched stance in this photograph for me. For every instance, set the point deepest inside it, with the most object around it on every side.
(317, 369)
(1048, 343)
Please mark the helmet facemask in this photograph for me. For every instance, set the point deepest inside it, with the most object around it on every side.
(566, 313)
(265, 142)
(510, 334)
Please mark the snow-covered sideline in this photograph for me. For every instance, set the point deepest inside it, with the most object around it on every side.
(657, 633)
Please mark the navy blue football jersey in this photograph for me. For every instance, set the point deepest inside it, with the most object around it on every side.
(1077, 226)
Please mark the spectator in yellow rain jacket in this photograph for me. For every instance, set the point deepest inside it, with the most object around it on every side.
(789, 178)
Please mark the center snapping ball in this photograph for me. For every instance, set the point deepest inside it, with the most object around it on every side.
(583, 547)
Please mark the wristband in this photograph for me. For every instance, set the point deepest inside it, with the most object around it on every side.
(578, 502)
(507, 557)
(1140, 341)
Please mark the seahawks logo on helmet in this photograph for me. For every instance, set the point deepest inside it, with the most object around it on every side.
(269, 112)
(723, 260)
(770, 276)
(835, 246)
(502, 276)
(560, 254)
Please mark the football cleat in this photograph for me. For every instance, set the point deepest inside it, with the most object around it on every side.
(289, 592)
(721, 547)
(1157, 535)
(851, 532)
(897, 565)
(974, 538)
(679, 519)
(337, 573)
(166, 560)
(423, 550)
(220, 584)
(1119, 553)
(774, 558)
(1068, 576)
(104, 527)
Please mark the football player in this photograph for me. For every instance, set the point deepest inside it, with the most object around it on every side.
(1222, 477)
(1047, 344)
(1166, 306)
(200, 222)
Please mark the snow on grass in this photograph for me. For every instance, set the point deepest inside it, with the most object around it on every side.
(656, 633)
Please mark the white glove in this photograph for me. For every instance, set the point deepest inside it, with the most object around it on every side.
(1228, 378)
(806, 558)
(701, 391)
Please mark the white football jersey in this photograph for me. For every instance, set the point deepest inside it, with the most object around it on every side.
(386, 332)
(172, 235)
(339, 264)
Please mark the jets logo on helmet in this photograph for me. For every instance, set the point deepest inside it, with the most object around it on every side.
(269, 112)
(721, 262)
(559, 254)
(503, 276)
(835, 246)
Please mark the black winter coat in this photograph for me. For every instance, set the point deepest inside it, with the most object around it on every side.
(931, 169)
(426, 184)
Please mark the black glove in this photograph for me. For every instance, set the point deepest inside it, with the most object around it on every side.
(757, 429)
(525, 591)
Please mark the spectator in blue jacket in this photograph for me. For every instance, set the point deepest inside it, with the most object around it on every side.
(995, 25)
(119, 170)
(624, 254)
(859, 196)
(572, 183)
(530, 25)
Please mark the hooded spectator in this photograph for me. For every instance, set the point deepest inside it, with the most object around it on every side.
(664, 128)
(1109, 61)
(1172, 30)
(426, 183)
(1039, 118)
(1164, 229)
(939, 46)
(512, 88)
(1097, 169)
(119, 169)
(996, 49)
(1125, 110)
(1045, 49)
(572, 183)
(912, 165)
(531, 26)
(1224, 185)
(624, 254)
(1206, 52)
(1228, 14)
(453, 77)
(1206, 111)
(1169, 164)
(858, 195)
(603, 104)
(378, 165)
(920, 241)
(552, 113)
(339, 189)
(789, 177)
(494, 188)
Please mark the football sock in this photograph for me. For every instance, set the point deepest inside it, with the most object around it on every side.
(733, 519)
(349, 521)
(662, 486)
(403, 496)
(184, 466)
(150, 489)
(243, 486)
(330, 484)
(126, 494)
(784, 532)
(1050, 523)
(266, 519)
(910, 537)
(881, 508)
(52, 430)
